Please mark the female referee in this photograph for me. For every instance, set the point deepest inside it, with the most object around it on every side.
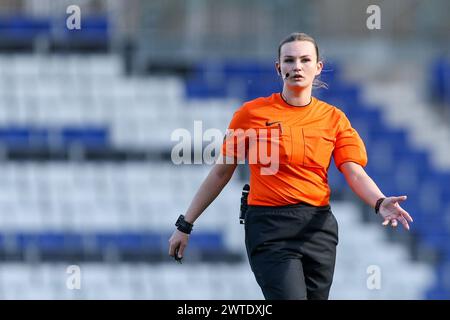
(290, 232)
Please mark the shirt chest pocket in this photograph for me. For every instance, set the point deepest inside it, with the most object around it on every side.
(312, 147)
(269, 145)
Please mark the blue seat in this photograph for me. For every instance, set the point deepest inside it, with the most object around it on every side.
(395, 137)
(442, 179)
(87, 137)
(43, 241)
(262, 87)
(15, 137)
(201, 88)
(207, 241)
(129, 241)
(433, 234)
(330, 73)
(94, 28)
(25, 138)
(336, 179)
(438, 292)
(440, 289)
(156, 241)
(440, 81)
(24, 27)
(381, 160)
(248, 70)
(344, 96)
(46, 242)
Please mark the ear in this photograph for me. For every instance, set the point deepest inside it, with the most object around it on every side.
(278, 68)
(319, 67)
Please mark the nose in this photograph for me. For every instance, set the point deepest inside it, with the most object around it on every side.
(297, 65)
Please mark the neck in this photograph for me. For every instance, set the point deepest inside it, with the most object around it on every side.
(297, 98)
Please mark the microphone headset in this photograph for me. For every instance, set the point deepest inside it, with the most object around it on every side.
(286, 76)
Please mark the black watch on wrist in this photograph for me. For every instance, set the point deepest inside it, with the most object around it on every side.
(183, 226)
(378, 204)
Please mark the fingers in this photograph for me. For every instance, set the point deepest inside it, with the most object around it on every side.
(173, 245)
(406, 215)
(181, 250)
(401, 213)
(177, 244)
(172, 248)
(404, 222)
(392, 221)
(176, 247)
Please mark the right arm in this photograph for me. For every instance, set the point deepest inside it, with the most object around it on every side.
(211, 187)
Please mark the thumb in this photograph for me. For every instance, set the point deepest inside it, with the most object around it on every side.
(400, 198)
(396, 199)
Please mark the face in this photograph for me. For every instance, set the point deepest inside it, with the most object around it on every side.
(298, 58)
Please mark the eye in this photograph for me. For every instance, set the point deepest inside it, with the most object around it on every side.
(306, 60)
(288, 60)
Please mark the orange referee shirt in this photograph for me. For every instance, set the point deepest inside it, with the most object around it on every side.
(307, 137)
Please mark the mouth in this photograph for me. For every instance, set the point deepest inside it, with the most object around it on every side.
(298, 77)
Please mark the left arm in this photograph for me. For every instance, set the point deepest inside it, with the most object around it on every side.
(368, 191)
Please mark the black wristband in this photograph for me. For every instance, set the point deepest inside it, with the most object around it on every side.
(378, 204)
(183, 226)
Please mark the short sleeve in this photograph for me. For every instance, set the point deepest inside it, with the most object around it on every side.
(349, 145)
(234, 143)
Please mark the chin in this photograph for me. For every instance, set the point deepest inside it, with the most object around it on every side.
(299, 85)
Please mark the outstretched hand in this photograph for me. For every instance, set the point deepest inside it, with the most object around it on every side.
(392, 213)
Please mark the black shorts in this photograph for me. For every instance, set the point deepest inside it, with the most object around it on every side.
(292, 250)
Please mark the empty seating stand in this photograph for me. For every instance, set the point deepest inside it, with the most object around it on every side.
(34, 138)
(112, 211)
(144, 246)
(23, 29)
